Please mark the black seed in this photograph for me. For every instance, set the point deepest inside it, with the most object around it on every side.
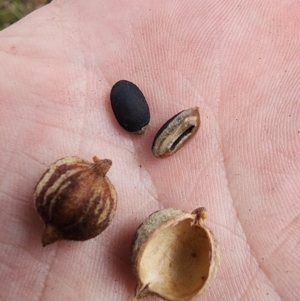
(130, 106)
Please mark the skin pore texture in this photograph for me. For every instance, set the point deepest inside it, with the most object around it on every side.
(237, 61)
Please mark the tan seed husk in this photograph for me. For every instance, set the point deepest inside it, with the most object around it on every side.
(176, 132)
(174, 255)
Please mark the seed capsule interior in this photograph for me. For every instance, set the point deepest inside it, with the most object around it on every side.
(75, 199)
(174, 255)
(130, 107)
(176, 132)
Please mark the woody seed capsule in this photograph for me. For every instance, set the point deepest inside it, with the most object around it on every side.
(130, 107)
(75, 199)
(174, 255)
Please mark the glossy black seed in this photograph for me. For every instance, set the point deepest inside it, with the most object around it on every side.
(130, 106)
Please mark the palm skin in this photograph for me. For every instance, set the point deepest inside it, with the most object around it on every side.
(238, 63)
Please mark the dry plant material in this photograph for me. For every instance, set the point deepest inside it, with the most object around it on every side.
(174, 255)
(176, 132)
(130, 107)
(75, 199)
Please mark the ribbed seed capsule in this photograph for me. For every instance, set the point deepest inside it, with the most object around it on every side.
(130, 107)
(173, 135)
(75, 199)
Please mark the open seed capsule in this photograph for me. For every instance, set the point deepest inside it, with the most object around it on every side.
(173, 135)
(174, 255)
(130, 107)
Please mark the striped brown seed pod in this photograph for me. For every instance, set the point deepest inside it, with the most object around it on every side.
(75, 199)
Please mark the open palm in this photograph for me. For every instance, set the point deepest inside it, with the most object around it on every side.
(238, 63)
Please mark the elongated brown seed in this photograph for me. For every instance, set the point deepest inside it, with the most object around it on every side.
(75, 199)
(173, 135)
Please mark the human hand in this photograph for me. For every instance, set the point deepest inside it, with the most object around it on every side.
(238, 63)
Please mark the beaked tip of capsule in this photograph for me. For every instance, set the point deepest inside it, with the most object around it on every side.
(50, 235)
